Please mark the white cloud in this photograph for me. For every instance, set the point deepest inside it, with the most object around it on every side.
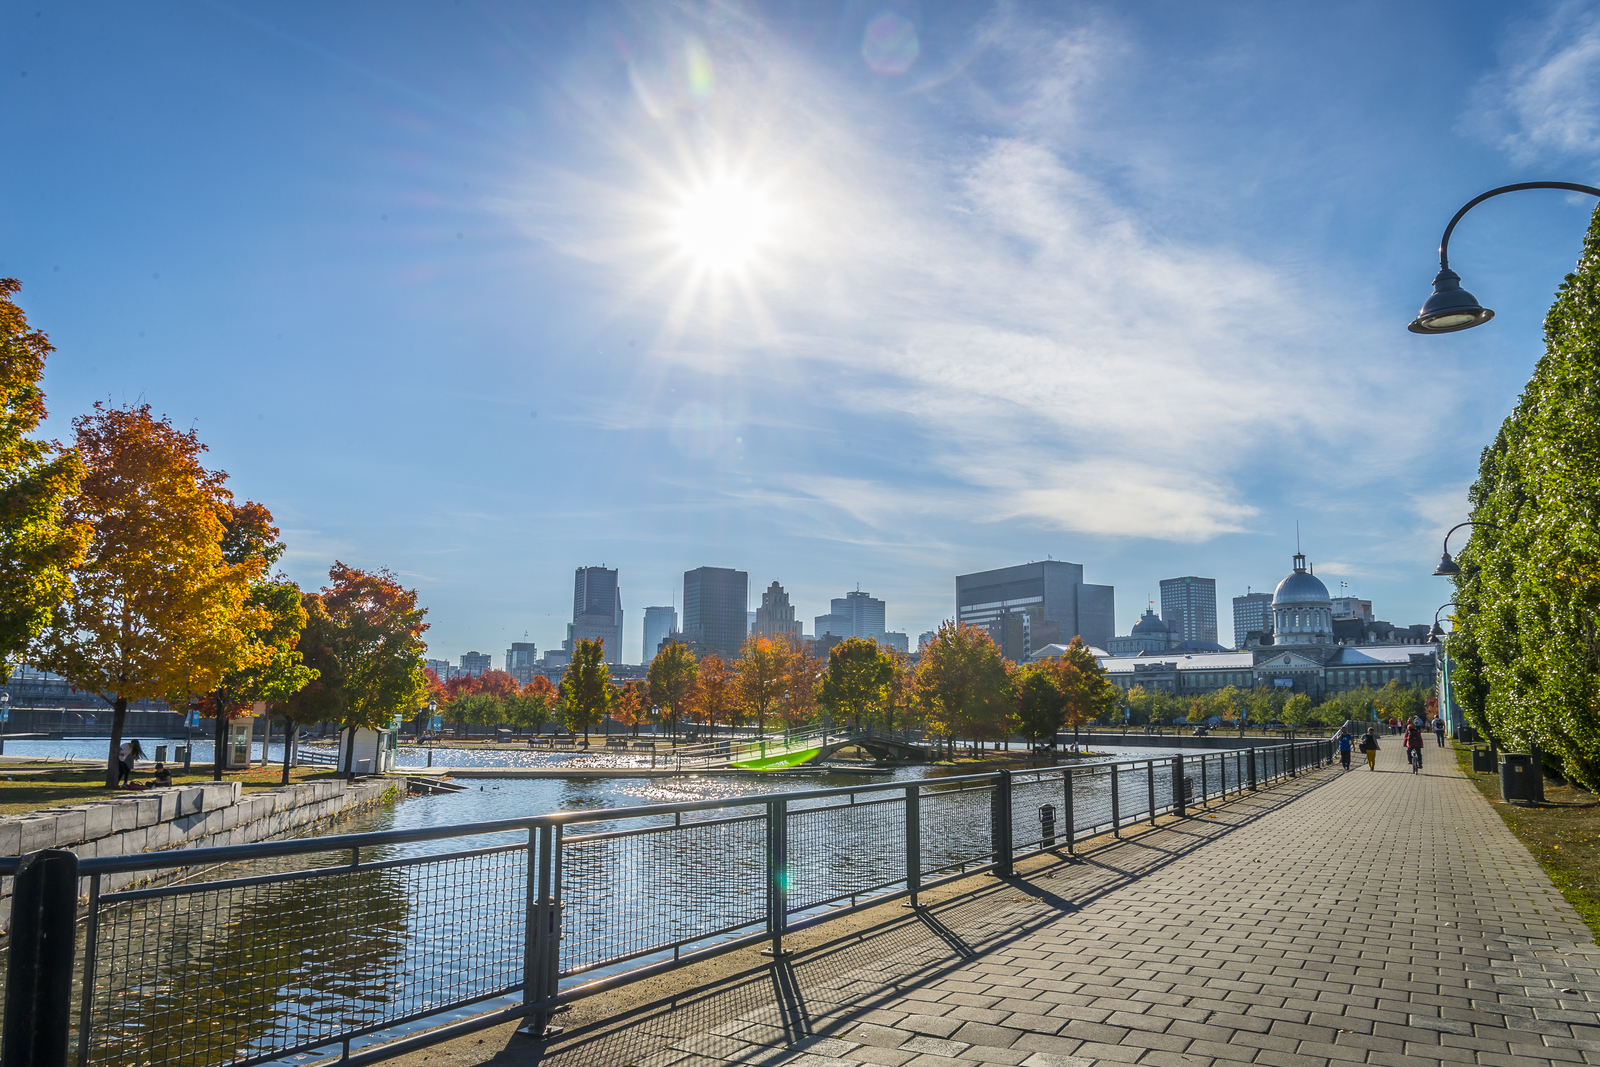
(1545, 100)
(1054, 361)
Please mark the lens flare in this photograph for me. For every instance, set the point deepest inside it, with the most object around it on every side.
(890, 44)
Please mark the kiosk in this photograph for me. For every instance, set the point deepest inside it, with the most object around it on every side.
(369, 751)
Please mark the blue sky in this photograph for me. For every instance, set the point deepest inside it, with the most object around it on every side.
(832, 293)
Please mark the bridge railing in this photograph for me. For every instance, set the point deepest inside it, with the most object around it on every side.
(365, 946)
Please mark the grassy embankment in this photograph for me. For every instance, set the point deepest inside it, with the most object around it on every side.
(26, 787)
(1563, 834)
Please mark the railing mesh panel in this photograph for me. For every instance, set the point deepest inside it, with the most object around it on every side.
(1028, 794)
(223, 975)
(845, 850)
(957, 831)
(627, 894)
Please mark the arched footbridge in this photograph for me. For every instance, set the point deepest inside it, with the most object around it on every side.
(773, 752)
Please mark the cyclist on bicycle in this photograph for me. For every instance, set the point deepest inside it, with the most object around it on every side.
(1413, 744)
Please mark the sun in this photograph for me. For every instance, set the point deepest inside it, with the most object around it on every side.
(724, 225)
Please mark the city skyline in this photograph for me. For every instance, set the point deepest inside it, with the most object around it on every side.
(752, 294)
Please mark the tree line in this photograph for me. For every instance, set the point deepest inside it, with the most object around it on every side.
(1262, 705)
(129, 568)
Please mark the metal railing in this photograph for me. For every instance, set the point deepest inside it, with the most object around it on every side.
(400, 939)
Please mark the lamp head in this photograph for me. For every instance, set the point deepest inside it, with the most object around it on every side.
(1447, 568)
(1450, 308)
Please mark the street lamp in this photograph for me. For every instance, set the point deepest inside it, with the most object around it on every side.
(1448, 567)
(1451, 307)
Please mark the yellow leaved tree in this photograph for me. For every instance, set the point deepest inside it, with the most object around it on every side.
(155, 611)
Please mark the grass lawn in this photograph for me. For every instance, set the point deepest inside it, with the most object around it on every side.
(26, 787)
(1563, 834)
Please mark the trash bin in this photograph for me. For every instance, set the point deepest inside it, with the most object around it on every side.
(1483, 760)
(1516, 777)
(1047, 824)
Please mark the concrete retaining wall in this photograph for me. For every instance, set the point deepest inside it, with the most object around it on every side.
(196, 816)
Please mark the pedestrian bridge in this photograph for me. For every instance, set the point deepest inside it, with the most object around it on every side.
(772, 752)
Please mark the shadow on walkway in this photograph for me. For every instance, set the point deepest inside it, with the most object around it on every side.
(841, 982)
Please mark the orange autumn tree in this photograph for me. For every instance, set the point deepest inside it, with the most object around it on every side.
(156, 611)
(378, 638)
(802, 676)
(714, 694)
(763, 674)
(633, 705)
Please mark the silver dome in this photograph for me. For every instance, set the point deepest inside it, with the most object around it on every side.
(1301, 587)
(1151, 623)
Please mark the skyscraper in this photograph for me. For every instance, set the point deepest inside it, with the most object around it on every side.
(856, 614)
(1189, 608)
(1253, 611)
(775, 616)
(1032, 605)
(521, 659)
(658, 623)
(715, 600)
(475, 663)
(597, 610)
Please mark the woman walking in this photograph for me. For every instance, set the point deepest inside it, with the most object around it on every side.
(126, 755)
(1369, 745)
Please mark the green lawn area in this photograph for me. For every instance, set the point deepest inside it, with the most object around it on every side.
(26, 787)
(1563, 834)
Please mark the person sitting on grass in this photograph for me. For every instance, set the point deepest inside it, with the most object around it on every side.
(163, 776)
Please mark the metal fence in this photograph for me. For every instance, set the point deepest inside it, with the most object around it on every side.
(364, 946)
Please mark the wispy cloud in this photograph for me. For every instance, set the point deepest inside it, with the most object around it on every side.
(1046, 357)
(1544, 101)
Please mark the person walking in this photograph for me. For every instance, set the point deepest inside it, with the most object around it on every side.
(1344, 746)
(1438, 729)
(126, 755)
(1369, 745)
(1413, 743)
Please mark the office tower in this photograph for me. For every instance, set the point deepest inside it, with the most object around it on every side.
(924, 639)
(1032, 605)
(775, 616)
(749, 623)
(597, 610)
(715, 605)
(475, 663)
(1253, 611)
(1189, 608)
(522, 659)
(658, 623)
(856, 614)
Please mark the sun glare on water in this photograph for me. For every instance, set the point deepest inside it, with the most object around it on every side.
(723, 226)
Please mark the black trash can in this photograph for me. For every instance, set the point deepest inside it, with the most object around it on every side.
(1516, 777)
(1483, 760)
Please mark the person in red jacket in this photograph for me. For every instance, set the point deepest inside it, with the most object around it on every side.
(1414, 745)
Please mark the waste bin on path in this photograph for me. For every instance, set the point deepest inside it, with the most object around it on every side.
(1516, 777)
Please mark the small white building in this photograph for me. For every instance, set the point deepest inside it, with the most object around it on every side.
(368, 751)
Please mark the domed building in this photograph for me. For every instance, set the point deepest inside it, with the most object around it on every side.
(1302, 610)
(1150, 634)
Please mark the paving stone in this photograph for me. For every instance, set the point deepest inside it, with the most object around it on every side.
(936, 1046)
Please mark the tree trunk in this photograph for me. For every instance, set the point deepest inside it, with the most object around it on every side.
(288, 742)
(119, 715)
(220, 745)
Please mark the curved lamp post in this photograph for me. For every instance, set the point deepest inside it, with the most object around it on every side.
(1451, 307)
(1447, 705)
(1448, 567)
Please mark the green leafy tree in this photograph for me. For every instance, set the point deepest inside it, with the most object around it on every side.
(672, 678)
(379, 646)
(962, 684)
(858, 679)
(1041, 705)
(1527, 643)
(39, 542)
(586, 687)
(1298, 710)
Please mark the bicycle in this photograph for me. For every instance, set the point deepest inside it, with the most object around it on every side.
(1414, 757)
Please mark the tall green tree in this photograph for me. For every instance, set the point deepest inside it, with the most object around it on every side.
(672, 678)
(39, 542)
(1527, 643)
(1041, 705)
(380, 648)
(858, 679)
(962, 684)
(586, 687)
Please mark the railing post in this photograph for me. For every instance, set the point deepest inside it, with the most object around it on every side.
(38, 1002)
(1066, 789)
(777, 891)
(914, 844)
(1205, 783)
(1116, 804)
(1177, 787)
(1000, 823)
(1151, 767)
(1252, 762)
(539, 969)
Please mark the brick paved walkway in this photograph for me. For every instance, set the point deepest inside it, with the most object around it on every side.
(1342, 917)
